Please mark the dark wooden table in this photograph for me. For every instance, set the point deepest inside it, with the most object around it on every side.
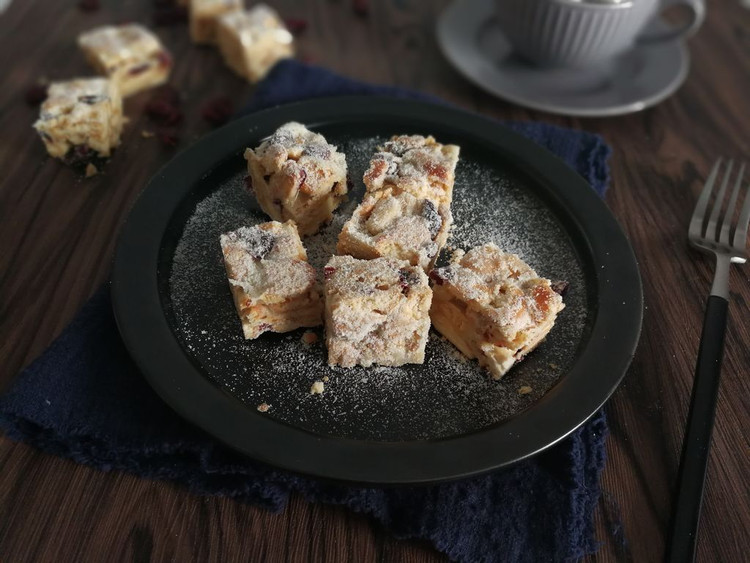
(58, 230)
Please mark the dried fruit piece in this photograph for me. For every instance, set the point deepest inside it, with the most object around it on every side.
(35, 94)
(560, 287)
(296, 25)
(434, 220)
(217, 111)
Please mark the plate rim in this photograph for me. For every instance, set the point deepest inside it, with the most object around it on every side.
(171, 373)
(443, 33)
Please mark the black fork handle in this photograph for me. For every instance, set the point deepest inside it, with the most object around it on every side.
(697, 440)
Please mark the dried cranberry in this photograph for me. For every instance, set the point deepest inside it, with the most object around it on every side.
(257, 242)
(35, 94)
(217, 111)
(406, 279)
(79, 155)
(560, 287)
(164, 59)
(433, 218)
(89, 5)
(264, 327)
(163, 112)
(296, 25)
(328, 272)
(302, 176)
(139, 69)
(361, 7)
(168, 137)
(441, 275)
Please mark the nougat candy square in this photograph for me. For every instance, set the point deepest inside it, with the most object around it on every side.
(376, 312)
(81, 118)
(129, 54)
(400, 226)
(296, 174)
(415, 164)
(252, 41)
(273, 286)
(493, 307)
(203, 15)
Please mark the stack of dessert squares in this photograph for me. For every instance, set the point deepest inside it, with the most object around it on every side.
(382, 291)
(84, 116)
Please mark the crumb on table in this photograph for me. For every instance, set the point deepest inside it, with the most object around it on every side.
(325, 378)
(263, 407)
(317, 388)
(524, 390)
(91, 170)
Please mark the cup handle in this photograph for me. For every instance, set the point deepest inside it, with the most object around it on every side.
(698, 7)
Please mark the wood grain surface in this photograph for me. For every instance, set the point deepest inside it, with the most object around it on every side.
(58, 230)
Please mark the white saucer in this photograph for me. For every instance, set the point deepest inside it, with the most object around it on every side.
(642, 77)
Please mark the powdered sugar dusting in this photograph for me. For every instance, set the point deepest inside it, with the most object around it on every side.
(448, 394)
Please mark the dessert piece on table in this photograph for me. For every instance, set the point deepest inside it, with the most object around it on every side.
(376, 312)
(415, 164)
(252, 41)
(295, 174)
(273, 286)
(129, 54)
(81, 118)
(492, 306)
(203, 15)
(396, 226)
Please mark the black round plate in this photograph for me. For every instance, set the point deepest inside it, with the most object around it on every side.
(417, 424)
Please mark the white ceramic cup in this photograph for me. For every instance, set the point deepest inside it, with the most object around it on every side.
(584, 32)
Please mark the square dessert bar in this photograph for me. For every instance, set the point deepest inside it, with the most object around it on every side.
(295, 174)
(82, 116)
(203, 14)
(415, 164)
(376, 312)
(252, 41)
(492, 306)
(396, 226)
(129, 54)
(273, 286)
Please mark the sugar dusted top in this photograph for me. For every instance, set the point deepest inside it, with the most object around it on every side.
(267, 261)
(348, 277)
(303, 154)
(74, 98)
(260, 20)
(412, 162)
(501, 284)
(116, 45)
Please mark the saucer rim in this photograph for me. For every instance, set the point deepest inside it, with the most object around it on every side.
(444, 31)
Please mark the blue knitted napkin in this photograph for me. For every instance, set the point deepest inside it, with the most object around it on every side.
(85, 400)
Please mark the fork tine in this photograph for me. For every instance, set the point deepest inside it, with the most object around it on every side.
(713, 220)
(729, 216)
(740, 233)
(696, 222)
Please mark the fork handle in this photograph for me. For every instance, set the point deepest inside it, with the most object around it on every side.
(697, 440)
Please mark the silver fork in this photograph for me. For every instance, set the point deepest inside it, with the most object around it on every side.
(710, 235)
